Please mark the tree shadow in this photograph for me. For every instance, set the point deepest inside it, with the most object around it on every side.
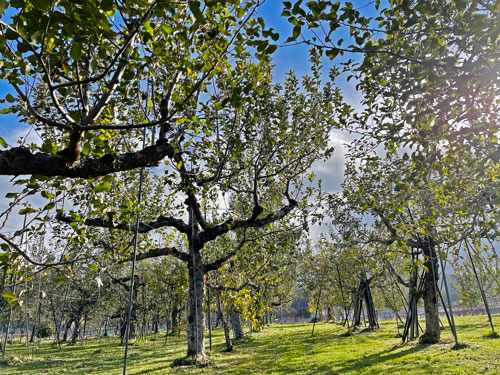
(380, 357)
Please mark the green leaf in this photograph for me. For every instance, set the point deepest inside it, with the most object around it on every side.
(86, 148)
(295, 34)
(107, 5)
(240, 12)
(3, 143)
(148, 27)
(49, 206)
(11, 195)
(332, 53)
(195, 9)
(3, 6)
(10, 98)
(270, 50)
(105, 186)
(76, 51)
(93, 65)
(94, 267)
(8, 295)
(47, 195)
(4, 111)
(167, 29)
(4, 258)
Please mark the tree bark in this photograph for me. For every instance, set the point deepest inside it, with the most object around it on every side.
(357, 302)
(267, 317)
(236, 324)
(432, 330)
(66, 329)
(195, 313)
(175, 313)
(227, 335)
(76, 331)
(370, 306)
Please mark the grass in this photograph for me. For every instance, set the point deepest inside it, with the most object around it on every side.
(286, 351)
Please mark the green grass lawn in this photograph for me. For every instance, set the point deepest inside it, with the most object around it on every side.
(290, 350)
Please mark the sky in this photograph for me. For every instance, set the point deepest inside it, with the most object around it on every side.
(285, 58)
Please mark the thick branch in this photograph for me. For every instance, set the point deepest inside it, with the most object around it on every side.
(165, 251)
(161, 222)
(21, 161)
(231, 224)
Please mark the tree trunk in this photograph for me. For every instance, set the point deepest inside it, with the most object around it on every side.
(175, 313)
(84, 329)
(76, 331)
(195, 314)
(227, 335)
(267, 317)
(357, 302)
(67, 326)
(432, 331)
(370, 306)
(105, 333)
(236, 325)
(156, 321)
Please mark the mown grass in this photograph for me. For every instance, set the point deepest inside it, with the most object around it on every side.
(290, 350)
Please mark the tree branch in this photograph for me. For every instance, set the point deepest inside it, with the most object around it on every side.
(28, 258)
(161, 222)
(164, 251)
(231, 224)
(21, 161)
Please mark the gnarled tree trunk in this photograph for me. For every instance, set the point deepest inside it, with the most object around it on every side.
(432, 331)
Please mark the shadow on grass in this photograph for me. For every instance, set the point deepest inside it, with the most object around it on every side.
(380, 357)
(491, 335)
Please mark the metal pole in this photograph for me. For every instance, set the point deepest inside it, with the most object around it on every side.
(453, 329)
(26, 318)
(8, 321)
(132, 272)
(209, 320)
(194, 282)
(480, 287)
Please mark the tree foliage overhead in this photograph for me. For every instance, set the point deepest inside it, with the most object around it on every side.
(88, 74)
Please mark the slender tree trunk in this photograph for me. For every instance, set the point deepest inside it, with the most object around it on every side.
(195, 314)
(84, 328)
(432, 331)
(156, 321)
(175, 313)
(227, 335)
(105, 333)
(267, 317)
